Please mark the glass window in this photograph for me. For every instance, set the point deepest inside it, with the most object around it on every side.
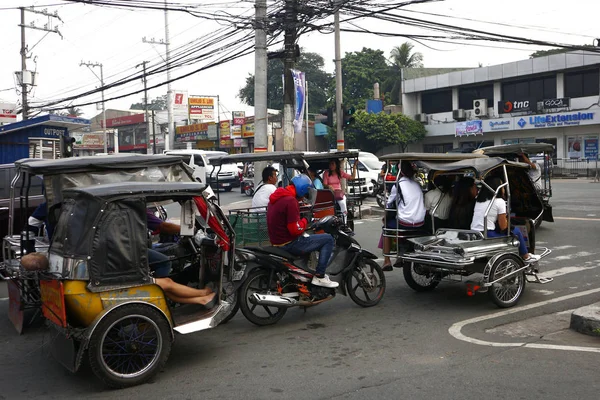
(466, 95)
(582, 83)
(437, 148)
(538, 89)
(436, 102)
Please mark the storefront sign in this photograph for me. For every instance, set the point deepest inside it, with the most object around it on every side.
(88, 140)
(467, 128)
(547, 104)
(556, 120)
(236, 131)
(590, 147)
(248, 128)
(191, 133)
(180, 100)
(8, 113)
(224, 130)
(202, 108)
(499, 125)
(205, 144)
(574, 147)
(54, 132)
(226, 143)
(240, 142)
(239, 117)
(123, 121)
(512, 106)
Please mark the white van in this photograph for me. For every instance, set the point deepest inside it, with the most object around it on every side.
(199, 160)
(369, 168)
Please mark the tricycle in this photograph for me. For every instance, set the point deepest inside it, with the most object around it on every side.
(430, 255)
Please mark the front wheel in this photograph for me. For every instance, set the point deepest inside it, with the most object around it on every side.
(366, 283)
(420, 277)
(249, 191)
(130, 345)
(506, 292)
(260, 282)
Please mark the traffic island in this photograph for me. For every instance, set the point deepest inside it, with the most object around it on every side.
(586, 320)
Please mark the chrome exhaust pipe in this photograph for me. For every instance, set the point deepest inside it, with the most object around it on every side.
(272, 300)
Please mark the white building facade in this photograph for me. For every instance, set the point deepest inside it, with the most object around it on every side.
(552, 99)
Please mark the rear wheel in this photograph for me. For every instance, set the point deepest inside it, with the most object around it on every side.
(420, 277)
(259, 282)
(366, 283)
(507, 292)
(130, 345)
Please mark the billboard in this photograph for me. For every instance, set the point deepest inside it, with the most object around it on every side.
(124, 121)
(8, 113)
(466, 128)
(88, 140)
(225, 130)
(202, 108)
(239, 117)
(191, 133)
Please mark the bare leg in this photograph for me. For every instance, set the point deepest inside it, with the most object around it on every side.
(387, 244)
(191, 300)
(181, 291)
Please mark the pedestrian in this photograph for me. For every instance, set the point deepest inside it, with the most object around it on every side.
(332, 178)
(260, 200)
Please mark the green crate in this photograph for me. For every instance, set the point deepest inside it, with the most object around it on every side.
(250, 227)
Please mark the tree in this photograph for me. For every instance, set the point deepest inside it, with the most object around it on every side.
(360, 70)
(157, 104)
(312, 64)
(542, 53)
(372, 132)
(74, 112)
(401, 57)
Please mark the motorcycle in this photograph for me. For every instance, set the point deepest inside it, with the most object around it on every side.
(275, 280)
(248, 187)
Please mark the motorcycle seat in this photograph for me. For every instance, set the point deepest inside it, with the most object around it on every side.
(278, 251)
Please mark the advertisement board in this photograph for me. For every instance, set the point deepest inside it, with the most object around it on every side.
(88, 140)
(191, 133)
(590, 147)
(299, 90)
(466, 128)
(574, 147)
(8, 113)
(180, 100)
(225, 130)
(248, 128)
(123, 121)
(239, 117)
(236, 131)
(202, 108)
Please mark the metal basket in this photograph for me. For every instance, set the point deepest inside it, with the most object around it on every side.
(250, 226)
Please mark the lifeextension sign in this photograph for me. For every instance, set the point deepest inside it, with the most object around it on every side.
(556, 120)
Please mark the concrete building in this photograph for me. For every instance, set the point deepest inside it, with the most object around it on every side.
(553, 99)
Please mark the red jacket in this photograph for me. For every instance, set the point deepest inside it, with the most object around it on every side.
(283, 216)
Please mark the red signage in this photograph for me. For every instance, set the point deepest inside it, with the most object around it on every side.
(123, 121)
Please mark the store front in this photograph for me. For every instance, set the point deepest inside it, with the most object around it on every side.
(197, 136)
(132, 132)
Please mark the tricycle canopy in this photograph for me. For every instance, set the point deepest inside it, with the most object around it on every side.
(320, 161)
(283, 157)
(430, 156)
(479, 166)
(520, 148)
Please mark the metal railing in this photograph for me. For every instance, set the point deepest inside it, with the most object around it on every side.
(580, 167)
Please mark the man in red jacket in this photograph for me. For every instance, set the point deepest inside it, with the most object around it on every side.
(286, 228)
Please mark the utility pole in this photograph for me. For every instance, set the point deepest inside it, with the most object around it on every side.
(153, 134)
(260, 86)
(148, 148)
(170, 140)
(338, 84)
(27, 77)
(290, 21)
(101, 78)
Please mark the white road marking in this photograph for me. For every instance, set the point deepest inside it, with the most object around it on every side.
(3, 298)
(591, 215)
(456, 328)
(566, 246)
(543, 292)
(578, 219)
(573, 255)
(565, 270)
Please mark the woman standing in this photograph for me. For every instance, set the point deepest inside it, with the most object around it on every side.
(332, 179)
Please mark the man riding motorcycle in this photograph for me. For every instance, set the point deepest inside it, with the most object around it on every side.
(287, 229)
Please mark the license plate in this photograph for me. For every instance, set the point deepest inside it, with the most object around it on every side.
(53, 302)
(225, 184)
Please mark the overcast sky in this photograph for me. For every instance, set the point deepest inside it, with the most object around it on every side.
(113, 37)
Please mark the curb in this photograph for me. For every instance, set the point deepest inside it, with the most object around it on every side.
(586, 320)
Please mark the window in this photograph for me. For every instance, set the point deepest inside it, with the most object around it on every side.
(436, 102)
(537, 88)
(582, 83)
(437, 148)
(466, 95)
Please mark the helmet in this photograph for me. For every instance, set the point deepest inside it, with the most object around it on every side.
(302, 184)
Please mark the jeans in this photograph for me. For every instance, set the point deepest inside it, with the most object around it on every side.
(517, 232)
(159, 263)
(306, 244)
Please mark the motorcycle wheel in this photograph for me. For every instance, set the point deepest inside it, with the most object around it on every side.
(367, 277)
(418, 279)
(381, 200)
(249, 191)
(129, 345)
(258, 282)
(507, 292)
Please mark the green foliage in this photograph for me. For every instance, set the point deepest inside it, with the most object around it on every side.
(157, 104)
(312, 64)
(372, 132)
(542, 53)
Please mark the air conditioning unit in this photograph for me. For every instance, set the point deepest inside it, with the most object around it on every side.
(480, 108)
(459, 115)
(422, 118)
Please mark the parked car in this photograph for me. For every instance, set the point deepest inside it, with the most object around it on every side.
(199, 160)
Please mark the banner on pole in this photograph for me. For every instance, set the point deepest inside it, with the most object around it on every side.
(300, 96)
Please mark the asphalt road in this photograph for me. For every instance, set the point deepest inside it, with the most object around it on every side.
(441, 344)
